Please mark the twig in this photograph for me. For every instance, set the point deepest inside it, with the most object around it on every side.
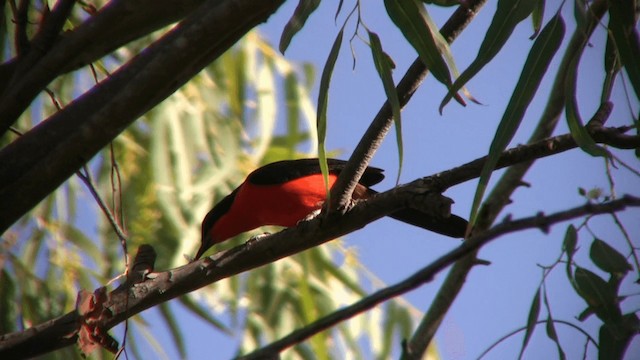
(586, 335)
(427, 273)
(372, 138)
(88, 181)
(507, 184)
(172, 283)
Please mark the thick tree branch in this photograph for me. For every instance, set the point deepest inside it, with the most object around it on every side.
(427, 273)
(116, 24)
(125, 302)
(372, 138)
(35, 164)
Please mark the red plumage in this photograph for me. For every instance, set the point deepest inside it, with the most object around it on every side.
(284, 192)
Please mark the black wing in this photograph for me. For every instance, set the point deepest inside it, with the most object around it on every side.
(282, 171)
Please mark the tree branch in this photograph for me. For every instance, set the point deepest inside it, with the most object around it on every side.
(506, 185)
(125, 302)
(114, 25)
(427, 273)
(372, 138)
(35, 164)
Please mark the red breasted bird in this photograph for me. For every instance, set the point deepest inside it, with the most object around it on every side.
(284, 192)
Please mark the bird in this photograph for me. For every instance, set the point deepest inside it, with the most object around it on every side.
(284, 192)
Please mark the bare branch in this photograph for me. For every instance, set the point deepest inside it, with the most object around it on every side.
(427, 273)
(125, 302)
(501, 194)
(37, 163)
(116, 24)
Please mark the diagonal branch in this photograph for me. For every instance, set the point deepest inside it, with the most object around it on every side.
(114, 25)
(37, 163)
(504, 188)
(372, 138)
(125, 302)
(427, 273)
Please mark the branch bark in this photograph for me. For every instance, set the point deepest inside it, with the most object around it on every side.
(125, 301)
(114, 25)
(372, 138)
(37, 163)
(501, 194)
(427, 273)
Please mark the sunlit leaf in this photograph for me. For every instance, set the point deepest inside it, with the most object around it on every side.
(323, 99)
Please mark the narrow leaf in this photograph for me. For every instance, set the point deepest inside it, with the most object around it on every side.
(410, 17)
(293, 113)
(536, 17)
(203, 314)
(551, 328)
(7, 302)
(508, 14)
(598, 294)
(611, 68)
(540, 56)
(174, 329)
(607, 258)
(534, 312)
(576, 127)
(383, 66)
(570, 242)
(299, 17)
(622, 24)
(323, 99)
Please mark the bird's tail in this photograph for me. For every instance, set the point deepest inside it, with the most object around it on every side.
(453, 226)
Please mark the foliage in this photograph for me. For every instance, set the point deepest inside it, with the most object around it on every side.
(252, 106)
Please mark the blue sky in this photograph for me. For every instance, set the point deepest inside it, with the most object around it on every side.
(496, 298)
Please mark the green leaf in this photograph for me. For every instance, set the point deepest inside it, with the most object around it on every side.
(540, 56)
(411, 18)
(570, 242)
(508, 14)
(551, 328)
(607, 258)
(611, 68)
(383, 67)
(174, 328)
(299, 17)
(532, 319)
(622, 24)
(612, 343)
(536, 18)
(7, 302)
(445, 3)
(598, 294)
(203, 314)
(323, 99)
(576, 127)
